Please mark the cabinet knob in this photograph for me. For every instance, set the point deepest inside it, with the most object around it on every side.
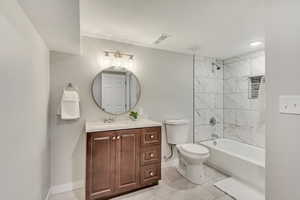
(118, 137)
(151, 173)
(151, 155)
(151, 136)
(113, 138)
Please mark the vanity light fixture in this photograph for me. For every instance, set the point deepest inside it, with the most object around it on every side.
(256, 43)
(117, 59)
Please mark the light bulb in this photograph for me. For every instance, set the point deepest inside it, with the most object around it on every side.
(256, 43)
(106, 61)
(130, 63)
(117, 62)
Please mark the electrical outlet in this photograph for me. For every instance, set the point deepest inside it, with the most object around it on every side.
(289, 104)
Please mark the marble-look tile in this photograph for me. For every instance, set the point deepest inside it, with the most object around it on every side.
(205, 101)
(242, 101)
(220, 73)
(208, 97)
(172, 186)
(220, 86)
(244, 117)
(258, 66)
(236, 101)
(240, 112)
(201, 84)
(202, 67)
(219, 130)
(237, 69)
(230, 85)
(202, 116)
(228, 71)
(206, 85)
(203, 132)
(240, 133)
(229, 116)
(259, 140)
(231, 101)
(242, 84)
(243, 68)
(253, 104)
(219, 101)
(231, 131)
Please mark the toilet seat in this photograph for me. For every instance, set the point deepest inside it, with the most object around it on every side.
(194, 149)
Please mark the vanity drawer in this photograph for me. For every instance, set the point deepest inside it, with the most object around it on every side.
(150, 155)
(150, 174)
(151, 136)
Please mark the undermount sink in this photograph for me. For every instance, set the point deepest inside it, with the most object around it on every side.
(119, 125)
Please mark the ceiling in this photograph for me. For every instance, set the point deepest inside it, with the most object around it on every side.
(57, 21)
(215, 28)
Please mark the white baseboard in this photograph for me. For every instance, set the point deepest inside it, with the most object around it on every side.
(68, 187)
(56, 189)
(48, 194)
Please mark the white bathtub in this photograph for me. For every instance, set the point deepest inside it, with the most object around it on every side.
(239, 160)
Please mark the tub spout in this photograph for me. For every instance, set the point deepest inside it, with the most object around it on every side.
(214, 138)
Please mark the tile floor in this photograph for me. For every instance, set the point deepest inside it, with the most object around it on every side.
(172, 187)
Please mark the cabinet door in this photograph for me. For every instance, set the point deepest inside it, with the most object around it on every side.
(101, 162)
(128, 168)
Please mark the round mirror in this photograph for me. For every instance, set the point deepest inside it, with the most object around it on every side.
(116, 90)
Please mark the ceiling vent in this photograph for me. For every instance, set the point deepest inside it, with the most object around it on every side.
(161, 38)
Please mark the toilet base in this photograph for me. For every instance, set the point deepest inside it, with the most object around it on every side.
(194, 173)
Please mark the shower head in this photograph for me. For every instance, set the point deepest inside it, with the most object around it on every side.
(218, 67)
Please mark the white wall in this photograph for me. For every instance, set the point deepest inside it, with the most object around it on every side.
(166, 83)
(57, 22)
(282, 70)
(241, 114)
(24, 86)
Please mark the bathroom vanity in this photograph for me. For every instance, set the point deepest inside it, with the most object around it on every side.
(121, 157)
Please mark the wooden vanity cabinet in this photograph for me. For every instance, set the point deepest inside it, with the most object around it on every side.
(121, 161)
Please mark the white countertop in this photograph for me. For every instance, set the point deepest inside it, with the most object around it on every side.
(119, 125)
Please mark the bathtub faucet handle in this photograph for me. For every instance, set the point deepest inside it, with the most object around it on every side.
(214, 136)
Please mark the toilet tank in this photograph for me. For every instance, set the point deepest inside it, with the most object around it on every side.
(177, 131)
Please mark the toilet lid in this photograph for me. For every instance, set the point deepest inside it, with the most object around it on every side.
(194, 149)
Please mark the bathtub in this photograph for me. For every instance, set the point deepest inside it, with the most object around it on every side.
(242, 161)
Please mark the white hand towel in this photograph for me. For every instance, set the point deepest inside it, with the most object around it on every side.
(70, 105)
(70, 96)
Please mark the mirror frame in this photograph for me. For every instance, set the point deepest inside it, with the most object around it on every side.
(129, 110)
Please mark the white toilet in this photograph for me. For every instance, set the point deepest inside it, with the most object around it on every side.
(191, 156)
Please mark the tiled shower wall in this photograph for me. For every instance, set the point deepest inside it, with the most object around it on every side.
(241, 114)
(223, 94)
(208, 91)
